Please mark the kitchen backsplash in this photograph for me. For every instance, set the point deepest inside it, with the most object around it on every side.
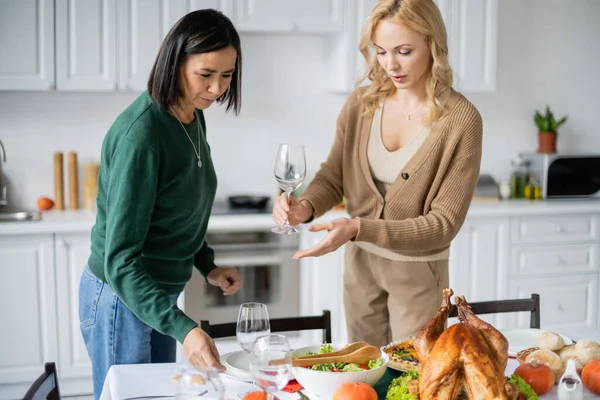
(285, 98)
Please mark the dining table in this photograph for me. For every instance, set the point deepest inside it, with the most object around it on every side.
(155, 381)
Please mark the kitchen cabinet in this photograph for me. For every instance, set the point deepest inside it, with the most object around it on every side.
(478, 260)
(277, 16)
(27, 45)
(86, 47)
(472, 27)
(39, 294)
(72, 252)
(28, 310)
(472, 41)
(143, 24)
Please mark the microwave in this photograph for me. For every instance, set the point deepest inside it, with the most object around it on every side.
(565, 175)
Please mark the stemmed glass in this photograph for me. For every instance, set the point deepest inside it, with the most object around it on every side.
(271, 378)
(253, 322)
(290, 171)
(196, 382)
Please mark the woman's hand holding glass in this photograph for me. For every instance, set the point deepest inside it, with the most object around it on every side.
(291, 209)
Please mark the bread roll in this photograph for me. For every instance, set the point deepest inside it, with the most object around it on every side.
(550, 341)
(550, 358)
(587, 350)
(568, 352)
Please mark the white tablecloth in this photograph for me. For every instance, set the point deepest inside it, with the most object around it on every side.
(152, 380)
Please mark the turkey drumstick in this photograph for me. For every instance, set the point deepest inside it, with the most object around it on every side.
(425, 339)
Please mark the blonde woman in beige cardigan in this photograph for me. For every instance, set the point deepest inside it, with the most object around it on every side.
(406, 157)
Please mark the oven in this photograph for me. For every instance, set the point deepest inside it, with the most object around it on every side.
(269, 275)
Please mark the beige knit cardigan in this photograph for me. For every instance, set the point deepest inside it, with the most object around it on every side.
(425, 207)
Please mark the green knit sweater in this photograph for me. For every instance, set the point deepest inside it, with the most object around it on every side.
(153, 209)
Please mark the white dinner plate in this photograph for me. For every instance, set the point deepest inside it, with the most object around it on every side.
(521, 339)
(236, 365)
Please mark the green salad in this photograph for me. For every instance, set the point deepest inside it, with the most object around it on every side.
(341, 366)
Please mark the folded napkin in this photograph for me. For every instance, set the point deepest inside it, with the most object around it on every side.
(292, 387)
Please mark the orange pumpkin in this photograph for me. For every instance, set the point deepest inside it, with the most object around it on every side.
(257, 396)
(591, 376)
(539, 376)
(355, 391)
(45, 203)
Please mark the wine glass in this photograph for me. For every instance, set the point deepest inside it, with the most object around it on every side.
(271, 378)
(253, 322)
(290, 171)
(197, 382)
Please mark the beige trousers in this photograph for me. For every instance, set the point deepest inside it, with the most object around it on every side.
(387, 300)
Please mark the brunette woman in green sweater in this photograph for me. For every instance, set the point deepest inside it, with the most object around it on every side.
(156, 189)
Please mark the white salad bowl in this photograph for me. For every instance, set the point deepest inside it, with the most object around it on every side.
(326, 383)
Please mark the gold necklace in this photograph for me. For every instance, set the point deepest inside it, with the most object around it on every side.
(408, 115)
(190, 139)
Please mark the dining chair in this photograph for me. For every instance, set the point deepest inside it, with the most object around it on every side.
(277, 325)
(45, 386)
(502, 306)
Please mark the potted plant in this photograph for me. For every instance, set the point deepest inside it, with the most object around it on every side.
(547, 127)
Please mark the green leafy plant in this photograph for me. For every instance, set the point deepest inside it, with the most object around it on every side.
(547, 122)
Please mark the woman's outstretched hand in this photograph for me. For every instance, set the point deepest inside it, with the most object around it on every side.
(293, 210)
(341, 230)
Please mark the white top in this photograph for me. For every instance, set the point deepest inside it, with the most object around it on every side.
(385, 166)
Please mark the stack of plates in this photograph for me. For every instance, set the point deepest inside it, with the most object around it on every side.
(237, 365)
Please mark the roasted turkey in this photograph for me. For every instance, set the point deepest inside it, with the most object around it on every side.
(467, 359)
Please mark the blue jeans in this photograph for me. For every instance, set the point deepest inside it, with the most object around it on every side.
(113, 334)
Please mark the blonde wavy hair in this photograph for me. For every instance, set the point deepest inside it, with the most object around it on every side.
(421, 16)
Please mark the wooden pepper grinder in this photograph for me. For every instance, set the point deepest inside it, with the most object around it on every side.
(59, 182)
(73, 182)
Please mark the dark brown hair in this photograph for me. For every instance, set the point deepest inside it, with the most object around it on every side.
(201, 31)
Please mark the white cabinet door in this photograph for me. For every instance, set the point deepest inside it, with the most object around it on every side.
(28, 312)
(321, 288)
(306, 16)
(143, 24)
(27, 45)
(567, 303)
(72, 252)
(478, 262)
(86, 46)
(346, 64)
(472, 41)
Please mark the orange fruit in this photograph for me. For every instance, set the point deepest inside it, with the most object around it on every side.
(45, 203)
(355, 391)
(256, 396)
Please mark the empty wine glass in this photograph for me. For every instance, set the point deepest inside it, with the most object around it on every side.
(271, 378)
(253, 322)
(198, 382)
(290, 171)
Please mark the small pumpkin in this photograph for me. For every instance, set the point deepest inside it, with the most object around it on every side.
(591, 376)
(257, 396)
(355, 391)
(539, 376)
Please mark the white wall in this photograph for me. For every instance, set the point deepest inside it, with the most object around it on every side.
(549, 52)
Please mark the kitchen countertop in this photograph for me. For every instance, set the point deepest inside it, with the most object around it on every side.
(81, 220)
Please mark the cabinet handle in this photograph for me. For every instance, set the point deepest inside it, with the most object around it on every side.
(559, 229)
